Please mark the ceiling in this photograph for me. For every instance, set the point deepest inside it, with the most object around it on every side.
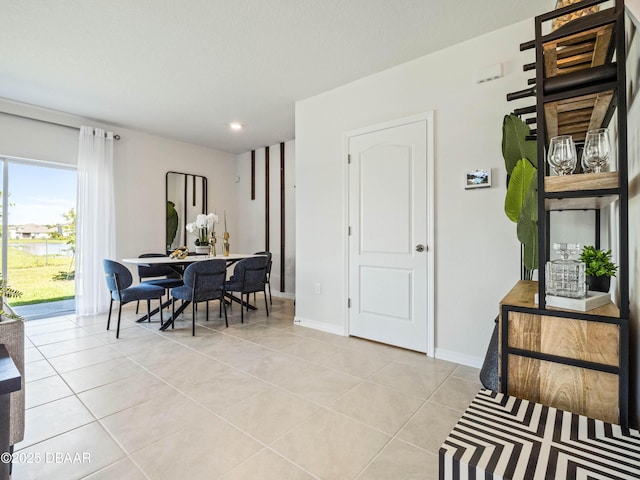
(186, 69)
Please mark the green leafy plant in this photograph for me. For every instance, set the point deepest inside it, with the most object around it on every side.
(598, 262)
(172, 222)
(7, 291)
(521, 200)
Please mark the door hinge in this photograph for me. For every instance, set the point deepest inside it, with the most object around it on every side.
(348, 303)
(349, 158)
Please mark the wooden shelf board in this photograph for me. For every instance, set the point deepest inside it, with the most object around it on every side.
(581, 181)
(522, 295)
(574, 116)
(579, 203)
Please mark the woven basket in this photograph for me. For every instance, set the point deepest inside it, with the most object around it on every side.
(563, 20)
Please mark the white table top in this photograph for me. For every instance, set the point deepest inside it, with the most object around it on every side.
(189, 259)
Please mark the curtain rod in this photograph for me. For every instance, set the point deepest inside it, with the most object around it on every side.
(115, 136)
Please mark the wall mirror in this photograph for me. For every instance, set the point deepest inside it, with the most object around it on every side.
(186, 197)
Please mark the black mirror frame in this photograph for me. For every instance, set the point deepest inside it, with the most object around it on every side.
(188, 192)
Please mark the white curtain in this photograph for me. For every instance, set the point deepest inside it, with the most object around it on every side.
(95, 221)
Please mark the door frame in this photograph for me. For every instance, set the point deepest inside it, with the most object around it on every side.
(428, 117)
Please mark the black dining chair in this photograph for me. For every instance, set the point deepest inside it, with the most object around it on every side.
(268, 279)
(249, 276)
(203, 281)
(119, 280)
(160, 275)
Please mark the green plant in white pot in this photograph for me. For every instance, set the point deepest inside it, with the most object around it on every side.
(599, 268)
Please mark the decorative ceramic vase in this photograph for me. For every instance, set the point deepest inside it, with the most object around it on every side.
(225, 244)
(203, 249)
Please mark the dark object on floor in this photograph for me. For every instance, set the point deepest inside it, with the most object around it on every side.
(489, 370)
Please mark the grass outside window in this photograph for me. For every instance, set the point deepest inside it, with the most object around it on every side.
(40, 278)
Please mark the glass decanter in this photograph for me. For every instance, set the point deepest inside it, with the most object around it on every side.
(565, 277)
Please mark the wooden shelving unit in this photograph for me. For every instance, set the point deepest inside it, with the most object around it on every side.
(576, 361)
(579, 51)
(574, 116)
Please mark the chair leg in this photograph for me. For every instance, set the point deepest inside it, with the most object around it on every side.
(207, 304)
(119, 315)
(160, 308)
(224, 305)
(173, 312)
(149, 310)
(269, 286)
(266, 305)
(193, 319)
(109, 317)
(242, 308)
(137, 306)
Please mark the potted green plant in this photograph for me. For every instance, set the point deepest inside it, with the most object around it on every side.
(599, 268)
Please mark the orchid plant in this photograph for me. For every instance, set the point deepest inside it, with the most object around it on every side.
(203, 227)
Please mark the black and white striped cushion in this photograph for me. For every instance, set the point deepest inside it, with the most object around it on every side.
(503, 437)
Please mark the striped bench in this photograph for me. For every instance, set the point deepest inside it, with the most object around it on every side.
(503, 437)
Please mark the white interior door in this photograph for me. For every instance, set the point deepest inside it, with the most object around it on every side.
(388, 251)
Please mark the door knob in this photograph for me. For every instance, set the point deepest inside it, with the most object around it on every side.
(420, 248)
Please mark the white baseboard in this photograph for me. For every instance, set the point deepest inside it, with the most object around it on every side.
(460, 358)
(323, 327)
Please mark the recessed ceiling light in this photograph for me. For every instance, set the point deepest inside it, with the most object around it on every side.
(235, 126)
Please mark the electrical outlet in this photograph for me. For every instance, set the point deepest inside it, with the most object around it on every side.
(318, 289)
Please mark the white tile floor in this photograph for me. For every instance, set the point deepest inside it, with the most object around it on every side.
(264, 400)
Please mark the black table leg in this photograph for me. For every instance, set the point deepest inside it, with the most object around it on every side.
(154, 311)
(171, 319)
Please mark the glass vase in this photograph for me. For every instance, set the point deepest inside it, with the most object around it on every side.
(565, 277)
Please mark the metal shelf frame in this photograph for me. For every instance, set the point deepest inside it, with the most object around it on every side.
(584, 82)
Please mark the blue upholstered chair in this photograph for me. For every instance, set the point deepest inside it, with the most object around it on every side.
(268, 279)
(160, 275)
(119, 280)
(249, 276)
(203, 281)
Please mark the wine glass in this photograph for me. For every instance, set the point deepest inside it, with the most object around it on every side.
(596, 149)
(562, 154)
(583, 162)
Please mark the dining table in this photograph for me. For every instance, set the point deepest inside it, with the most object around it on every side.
(179, 264)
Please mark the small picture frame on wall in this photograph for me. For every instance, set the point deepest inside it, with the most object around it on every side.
(478, 178)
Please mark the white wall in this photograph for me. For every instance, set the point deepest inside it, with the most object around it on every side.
(140, 164)
(633, 132)
(253, 211)
(476, 250)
